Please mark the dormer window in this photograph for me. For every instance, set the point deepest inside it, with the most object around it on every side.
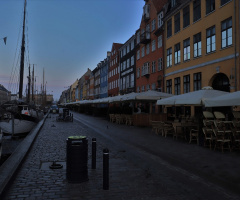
(160, 19)
(146, 12)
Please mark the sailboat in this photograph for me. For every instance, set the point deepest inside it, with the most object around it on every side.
(18, 116)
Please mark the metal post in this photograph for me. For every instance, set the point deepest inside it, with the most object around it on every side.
(94, 149)
(105, 169)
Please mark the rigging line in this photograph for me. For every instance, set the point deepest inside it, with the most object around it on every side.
(13, 75)
(15, 55)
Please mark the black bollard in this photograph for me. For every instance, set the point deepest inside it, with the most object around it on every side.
(94, 149)
(105, 169)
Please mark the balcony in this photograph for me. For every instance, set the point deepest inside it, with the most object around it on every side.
(146, 17)
(145, 37)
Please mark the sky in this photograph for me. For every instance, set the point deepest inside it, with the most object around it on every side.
(63, 37)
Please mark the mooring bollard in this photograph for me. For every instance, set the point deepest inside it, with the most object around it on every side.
(105, 169)
(94, 149)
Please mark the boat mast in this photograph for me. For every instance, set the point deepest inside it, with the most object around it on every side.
(33, 84)
(22, 54)
(29, 85)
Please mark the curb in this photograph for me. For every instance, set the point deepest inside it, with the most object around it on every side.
(11, 165)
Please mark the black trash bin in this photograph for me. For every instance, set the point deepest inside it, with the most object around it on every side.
(77, 159)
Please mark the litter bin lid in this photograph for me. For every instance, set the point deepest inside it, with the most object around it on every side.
(77, 137)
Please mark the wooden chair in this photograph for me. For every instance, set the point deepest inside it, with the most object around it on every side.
(209, 137)
(223, 136)
(112, 117)
(193, 135)
(178, 130)
(129, 120)
(236, 134)
(157, 126)
(168, 129)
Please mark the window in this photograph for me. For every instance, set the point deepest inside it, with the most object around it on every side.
(210, 6)
(224, 2)
(147, 87)
(196, 10)
(132, 80)
(147, 49)
(197, 45)
(186, 49)
(169, 28)
(153, 66)
(177, 53)
(173, 3)
(197, 81)
(153, 24)
(160, 19)
(186, 17)
(169, 57)
(154, 86)
(132, 60)
(128, 63)
(143, 52)
(138, 37)
(177, 86)
(132, 45)
(160, 64)
(138, 54)
(211, 39)
(160, 41)
(138, 72)
(153, 45)
(186, 83)
(143, 88)
(169, 86)
(177, 23)
(227, 32)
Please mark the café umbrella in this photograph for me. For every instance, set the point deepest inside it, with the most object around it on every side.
(192, 98)
(230, 99)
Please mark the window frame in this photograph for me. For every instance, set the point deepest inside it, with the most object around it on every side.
(169, 57)
(227, 28)
(186, 16)
(177, 22)
(211, 36)
(210, 6)
(186, 49)
(196, 10)
(197, 45)
(186, 83)
(177, 53)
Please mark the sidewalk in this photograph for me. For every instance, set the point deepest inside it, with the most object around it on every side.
(167, 170)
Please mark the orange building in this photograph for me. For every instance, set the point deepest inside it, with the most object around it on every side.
(201, 46)
(149, 47)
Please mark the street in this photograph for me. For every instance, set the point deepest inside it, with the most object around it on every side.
(142, 165)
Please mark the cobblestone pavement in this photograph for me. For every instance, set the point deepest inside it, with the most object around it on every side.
(135, 171)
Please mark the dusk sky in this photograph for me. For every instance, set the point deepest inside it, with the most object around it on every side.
(64, 37)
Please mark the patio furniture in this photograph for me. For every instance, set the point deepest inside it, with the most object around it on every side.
(236, 134)
(178, 130)
(129, 119)
(119, 119)
(219, 115)
(168, 129)
(158, 126)
(112, 117)
(223, 135)
(193, 135)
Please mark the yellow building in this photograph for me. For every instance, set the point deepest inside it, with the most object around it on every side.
(201, 45)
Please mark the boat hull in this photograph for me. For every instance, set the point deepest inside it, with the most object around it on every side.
(20, 126)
